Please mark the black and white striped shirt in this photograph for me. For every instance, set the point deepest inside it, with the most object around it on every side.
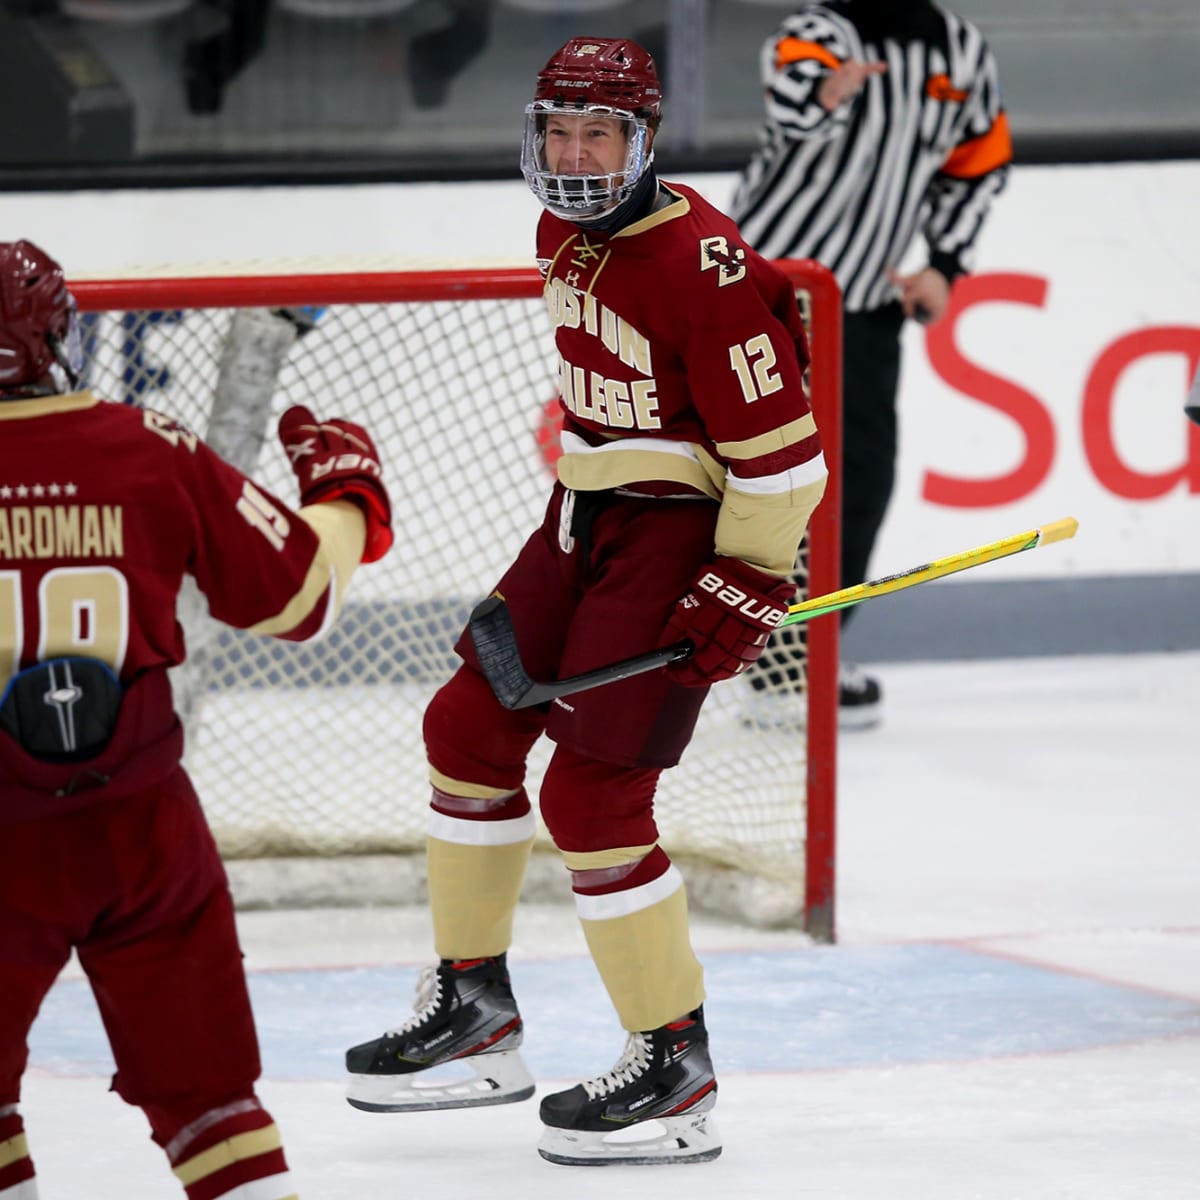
(923, 147)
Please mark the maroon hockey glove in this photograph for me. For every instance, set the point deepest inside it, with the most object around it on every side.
(336, 460)
(727, 615)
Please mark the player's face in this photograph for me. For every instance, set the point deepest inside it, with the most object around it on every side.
(585, 145)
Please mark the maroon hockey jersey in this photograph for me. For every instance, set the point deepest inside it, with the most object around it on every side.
(681, 364)
(103, 510)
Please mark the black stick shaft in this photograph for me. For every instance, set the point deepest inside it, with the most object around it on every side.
(496, 644)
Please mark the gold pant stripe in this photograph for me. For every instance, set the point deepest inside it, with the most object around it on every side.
(224, 1154)
(466, 789)
(13, 1150)
(596, 860)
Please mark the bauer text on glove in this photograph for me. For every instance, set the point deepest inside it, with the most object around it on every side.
(727, 615)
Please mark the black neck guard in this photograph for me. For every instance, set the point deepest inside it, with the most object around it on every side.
(634, 207)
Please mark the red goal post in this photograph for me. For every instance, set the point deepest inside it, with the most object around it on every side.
(310, 757)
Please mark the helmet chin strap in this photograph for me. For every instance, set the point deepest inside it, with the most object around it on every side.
(62, 374)
(634, 207)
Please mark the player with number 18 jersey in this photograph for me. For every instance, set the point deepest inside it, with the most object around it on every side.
(104, 848)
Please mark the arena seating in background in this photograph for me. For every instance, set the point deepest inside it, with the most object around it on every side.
(127, 12)
(563, 8)
(340, 10)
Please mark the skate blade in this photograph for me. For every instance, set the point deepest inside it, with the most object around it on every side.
(853, 718)
(484, 1079)
(666, 1140)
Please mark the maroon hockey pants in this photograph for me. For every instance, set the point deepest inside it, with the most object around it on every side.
(609, 596)
(137, 888)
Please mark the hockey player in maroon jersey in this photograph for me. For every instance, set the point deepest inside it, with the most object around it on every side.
(690, 467)
(103, 848)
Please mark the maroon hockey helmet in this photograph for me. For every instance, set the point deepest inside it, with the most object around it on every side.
(36, 315)
(612, 72)
(609, 81)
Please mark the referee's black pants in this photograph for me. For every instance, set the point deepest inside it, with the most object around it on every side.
(870, 380)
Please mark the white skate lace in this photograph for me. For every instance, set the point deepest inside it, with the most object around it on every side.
(852, 678)
(634, 1060)
(429, 996)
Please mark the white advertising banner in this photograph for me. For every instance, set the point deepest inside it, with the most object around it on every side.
(1055, 387)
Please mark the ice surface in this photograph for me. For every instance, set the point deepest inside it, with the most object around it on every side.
(1012, 1011)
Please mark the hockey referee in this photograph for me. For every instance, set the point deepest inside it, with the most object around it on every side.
(883, 120)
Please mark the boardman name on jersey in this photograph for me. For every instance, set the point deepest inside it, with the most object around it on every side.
(572, 309)
(62, 531)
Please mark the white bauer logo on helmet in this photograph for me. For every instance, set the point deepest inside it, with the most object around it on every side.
(589, 83)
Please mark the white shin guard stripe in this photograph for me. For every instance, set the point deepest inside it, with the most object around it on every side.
(482, 833)
(621, 904)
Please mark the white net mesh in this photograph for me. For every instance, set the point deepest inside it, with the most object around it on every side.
(315, 749)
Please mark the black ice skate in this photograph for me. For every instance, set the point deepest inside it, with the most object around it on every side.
(860, 699)
(652, 1107)
(466, 1020)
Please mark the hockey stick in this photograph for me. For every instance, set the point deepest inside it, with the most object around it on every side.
(1056, 531)
(496, 643)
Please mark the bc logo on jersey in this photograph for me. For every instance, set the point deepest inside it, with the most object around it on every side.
(729, 264)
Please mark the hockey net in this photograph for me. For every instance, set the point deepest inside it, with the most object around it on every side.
(309, 758)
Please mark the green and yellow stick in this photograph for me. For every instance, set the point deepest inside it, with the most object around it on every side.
(1056, 531)
(492, 631)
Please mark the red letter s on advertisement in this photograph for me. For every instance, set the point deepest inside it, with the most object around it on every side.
(1023, 407)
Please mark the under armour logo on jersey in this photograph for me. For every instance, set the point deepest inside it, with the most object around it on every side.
(716, 254)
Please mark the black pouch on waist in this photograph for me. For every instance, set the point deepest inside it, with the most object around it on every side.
(62, 710)
(587, 507)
